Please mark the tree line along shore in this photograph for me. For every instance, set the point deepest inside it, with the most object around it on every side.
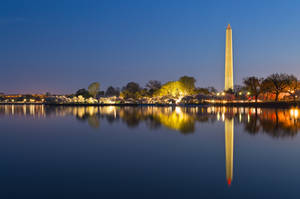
(273, 90)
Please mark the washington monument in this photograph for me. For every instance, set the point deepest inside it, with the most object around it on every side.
(228, 60)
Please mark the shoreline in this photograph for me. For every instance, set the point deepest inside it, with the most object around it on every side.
(282, 104)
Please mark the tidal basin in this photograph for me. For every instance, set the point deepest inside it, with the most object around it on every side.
(148, 152)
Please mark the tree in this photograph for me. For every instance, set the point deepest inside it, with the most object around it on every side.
(142, 93)
(172, 89)
(204, 91)
(276, 84)
(111, 91)
(83, 92)
(212, 90)
(293, 86)
(101, 94)
(132, 87)
(188, 84)
(152, 86)
(93, 89)
(229, 91)
(131, 90)
(254, 86)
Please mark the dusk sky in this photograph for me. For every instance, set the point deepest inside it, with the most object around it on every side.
(61, 46)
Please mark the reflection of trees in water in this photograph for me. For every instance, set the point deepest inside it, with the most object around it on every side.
(131, 120)
(152, 123)
(276, 123)
(94, 121)
(111, 119)
(252, 125)
(273, 122)
(279, 123)
(179, 121)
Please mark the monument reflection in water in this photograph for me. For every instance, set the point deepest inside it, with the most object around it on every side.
(277, 123)
(229, 138)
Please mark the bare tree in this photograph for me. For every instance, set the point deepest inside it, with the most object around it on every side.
(293, 85)
(276, 84)
(153, 85)
(254, 86)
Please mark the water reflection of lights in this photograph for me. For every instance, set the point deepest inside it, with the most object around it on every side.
(24, 110)
(12, 109)
(33, 110)
(91, 110)
(178, 110)
(277, 123)
(178, 100)
(294, 113)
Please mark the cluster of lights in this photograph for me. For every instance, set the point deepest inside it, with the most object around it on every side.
(240, 93)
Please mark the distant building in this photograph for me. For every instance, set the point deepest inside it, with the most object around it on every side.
(228, 60)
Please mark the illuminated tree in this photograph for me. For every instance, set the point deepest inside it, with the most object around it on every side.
(184, 86)
(293, 85)
(276, 84)
(93, 89)
(142, 93)
(188, 84)
(254, 86)
(171, 89)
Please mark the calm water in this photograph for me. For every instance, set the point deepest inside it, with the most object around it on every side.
(148, 152)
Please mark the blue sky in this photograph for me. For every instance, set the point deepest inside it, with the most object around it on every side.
(61, 46)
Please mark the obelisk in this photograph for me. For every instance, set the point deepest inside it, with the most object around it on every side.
(228, 60)
(229, 135)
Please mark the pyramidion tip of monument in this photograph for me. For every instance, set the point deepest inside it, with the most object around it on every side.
(229, 27)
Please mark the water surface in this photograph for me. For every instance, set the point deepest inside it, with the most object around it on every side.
(148, 152)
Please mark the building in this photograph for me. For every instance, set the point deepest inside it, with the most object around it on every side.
(228, 60)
